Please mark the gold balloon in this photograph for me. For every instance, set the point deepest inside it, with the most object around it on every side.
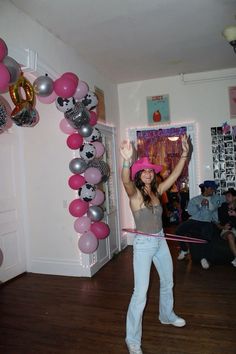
(16, 94)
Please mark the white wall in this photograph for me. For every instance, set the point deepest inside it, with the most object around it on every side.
(52, 241)
(51, 237)
(204, 102)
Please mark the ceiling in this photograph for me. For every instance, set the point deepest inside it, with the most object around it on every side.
(132, 40)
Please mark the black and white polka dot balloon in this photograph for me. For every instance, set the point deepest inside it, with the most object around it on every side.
(65, 104)
(90, 101)
(95, 135)
(87, 192)
(87, 152)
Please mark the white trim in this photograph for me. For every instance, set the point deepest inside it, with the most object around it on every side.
(28, 58)
(59, 267)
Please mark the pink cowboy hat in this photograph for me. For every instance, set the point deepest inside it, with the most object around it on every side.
(142, 164)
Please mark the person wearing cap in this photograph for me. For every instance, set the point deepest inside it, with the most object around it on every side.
(227, 221)
(144, 194)
(203, 211)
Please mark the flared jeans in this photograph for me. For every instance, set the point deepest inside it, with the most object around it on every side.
(148, 249)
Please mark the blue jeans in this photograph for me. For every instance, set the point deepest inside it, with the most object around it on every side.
(148, 249)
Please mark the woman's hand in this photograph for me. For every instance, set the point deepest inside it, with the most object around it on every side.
(126, 150)
(185, 145)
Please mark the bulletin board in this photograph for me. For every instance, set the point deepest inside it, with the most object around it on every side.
(224, 157)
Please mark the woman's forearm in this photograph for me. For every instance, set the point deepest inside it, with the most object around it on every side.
(125, 172)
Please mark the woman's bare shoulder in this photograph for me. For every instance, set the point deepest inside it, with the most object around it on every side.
(136, 201)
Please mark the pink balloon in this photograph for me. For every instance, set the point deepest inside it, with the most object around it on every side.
(76, 181)
(100, 229)
(71, 76)
(88, 243)
(82, 224)
(4, 78)
(99, 198)
(81, 90)
(47, 99)
(78, 207)
(66, 127)
(3, 49)
(93, 175)
(100, 148)
(93, 118)
(65, 87)
(74, 141)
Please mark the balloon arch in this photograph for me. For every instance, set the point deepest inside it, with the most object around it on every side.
(73, 98)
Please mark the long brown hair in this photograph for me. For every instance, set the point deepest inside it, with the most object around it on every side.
(140, 185)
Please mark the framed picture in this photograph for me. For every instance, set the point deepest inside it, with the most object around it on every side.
(232, 101)
(158, 109)
(100, 109)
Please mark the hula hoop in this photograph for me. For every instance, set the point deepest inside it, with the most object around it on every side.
(171, 237)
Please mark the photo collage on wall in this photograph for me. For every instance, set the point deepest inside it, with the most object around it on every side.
(224, 157)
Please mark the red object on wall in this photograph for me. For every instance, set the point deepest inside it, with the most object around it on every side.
(156, 116)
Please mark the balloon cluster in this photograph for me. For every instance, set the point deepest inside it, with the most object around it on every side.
(88, 170)
(12, 79)
(73, 98)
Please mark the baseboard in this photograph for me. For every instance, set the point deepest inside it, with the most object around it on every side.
(58, 267)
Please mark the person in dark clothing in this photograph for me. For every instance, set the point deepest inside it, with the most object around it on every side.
(227, 219)
(201, 224)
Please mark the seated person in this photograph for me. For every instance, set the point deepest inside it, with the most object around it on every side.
(203, 211)
(227, 219)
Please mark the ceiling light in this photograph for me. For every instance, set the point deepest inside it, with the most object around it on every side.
(173, 138)
(230, 35)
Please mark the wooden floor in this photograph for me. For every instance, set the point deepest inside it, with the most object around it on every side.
(42, 314)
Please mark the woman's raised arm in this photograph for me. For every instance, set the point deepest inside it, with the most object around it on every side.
(126, 151)
(167, 183)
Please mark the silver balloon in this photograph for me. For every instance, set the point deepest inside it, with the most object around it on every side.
(77, 116)
(86, 130)
(13, 67)
(95, 213)
(43, 86)
(77, 165)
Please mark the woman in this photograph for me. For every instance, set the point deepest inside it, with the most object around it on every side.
(144, 196)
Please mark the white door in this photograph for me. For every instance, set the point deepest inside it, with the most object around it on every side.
(112, 244)
(12, 240)
(111, 191)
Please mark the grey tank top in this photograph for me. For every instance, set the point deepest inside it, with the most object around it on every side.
(148, 220)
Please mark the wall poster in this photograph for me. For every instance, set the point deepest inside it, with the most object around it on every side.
(158, 109)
